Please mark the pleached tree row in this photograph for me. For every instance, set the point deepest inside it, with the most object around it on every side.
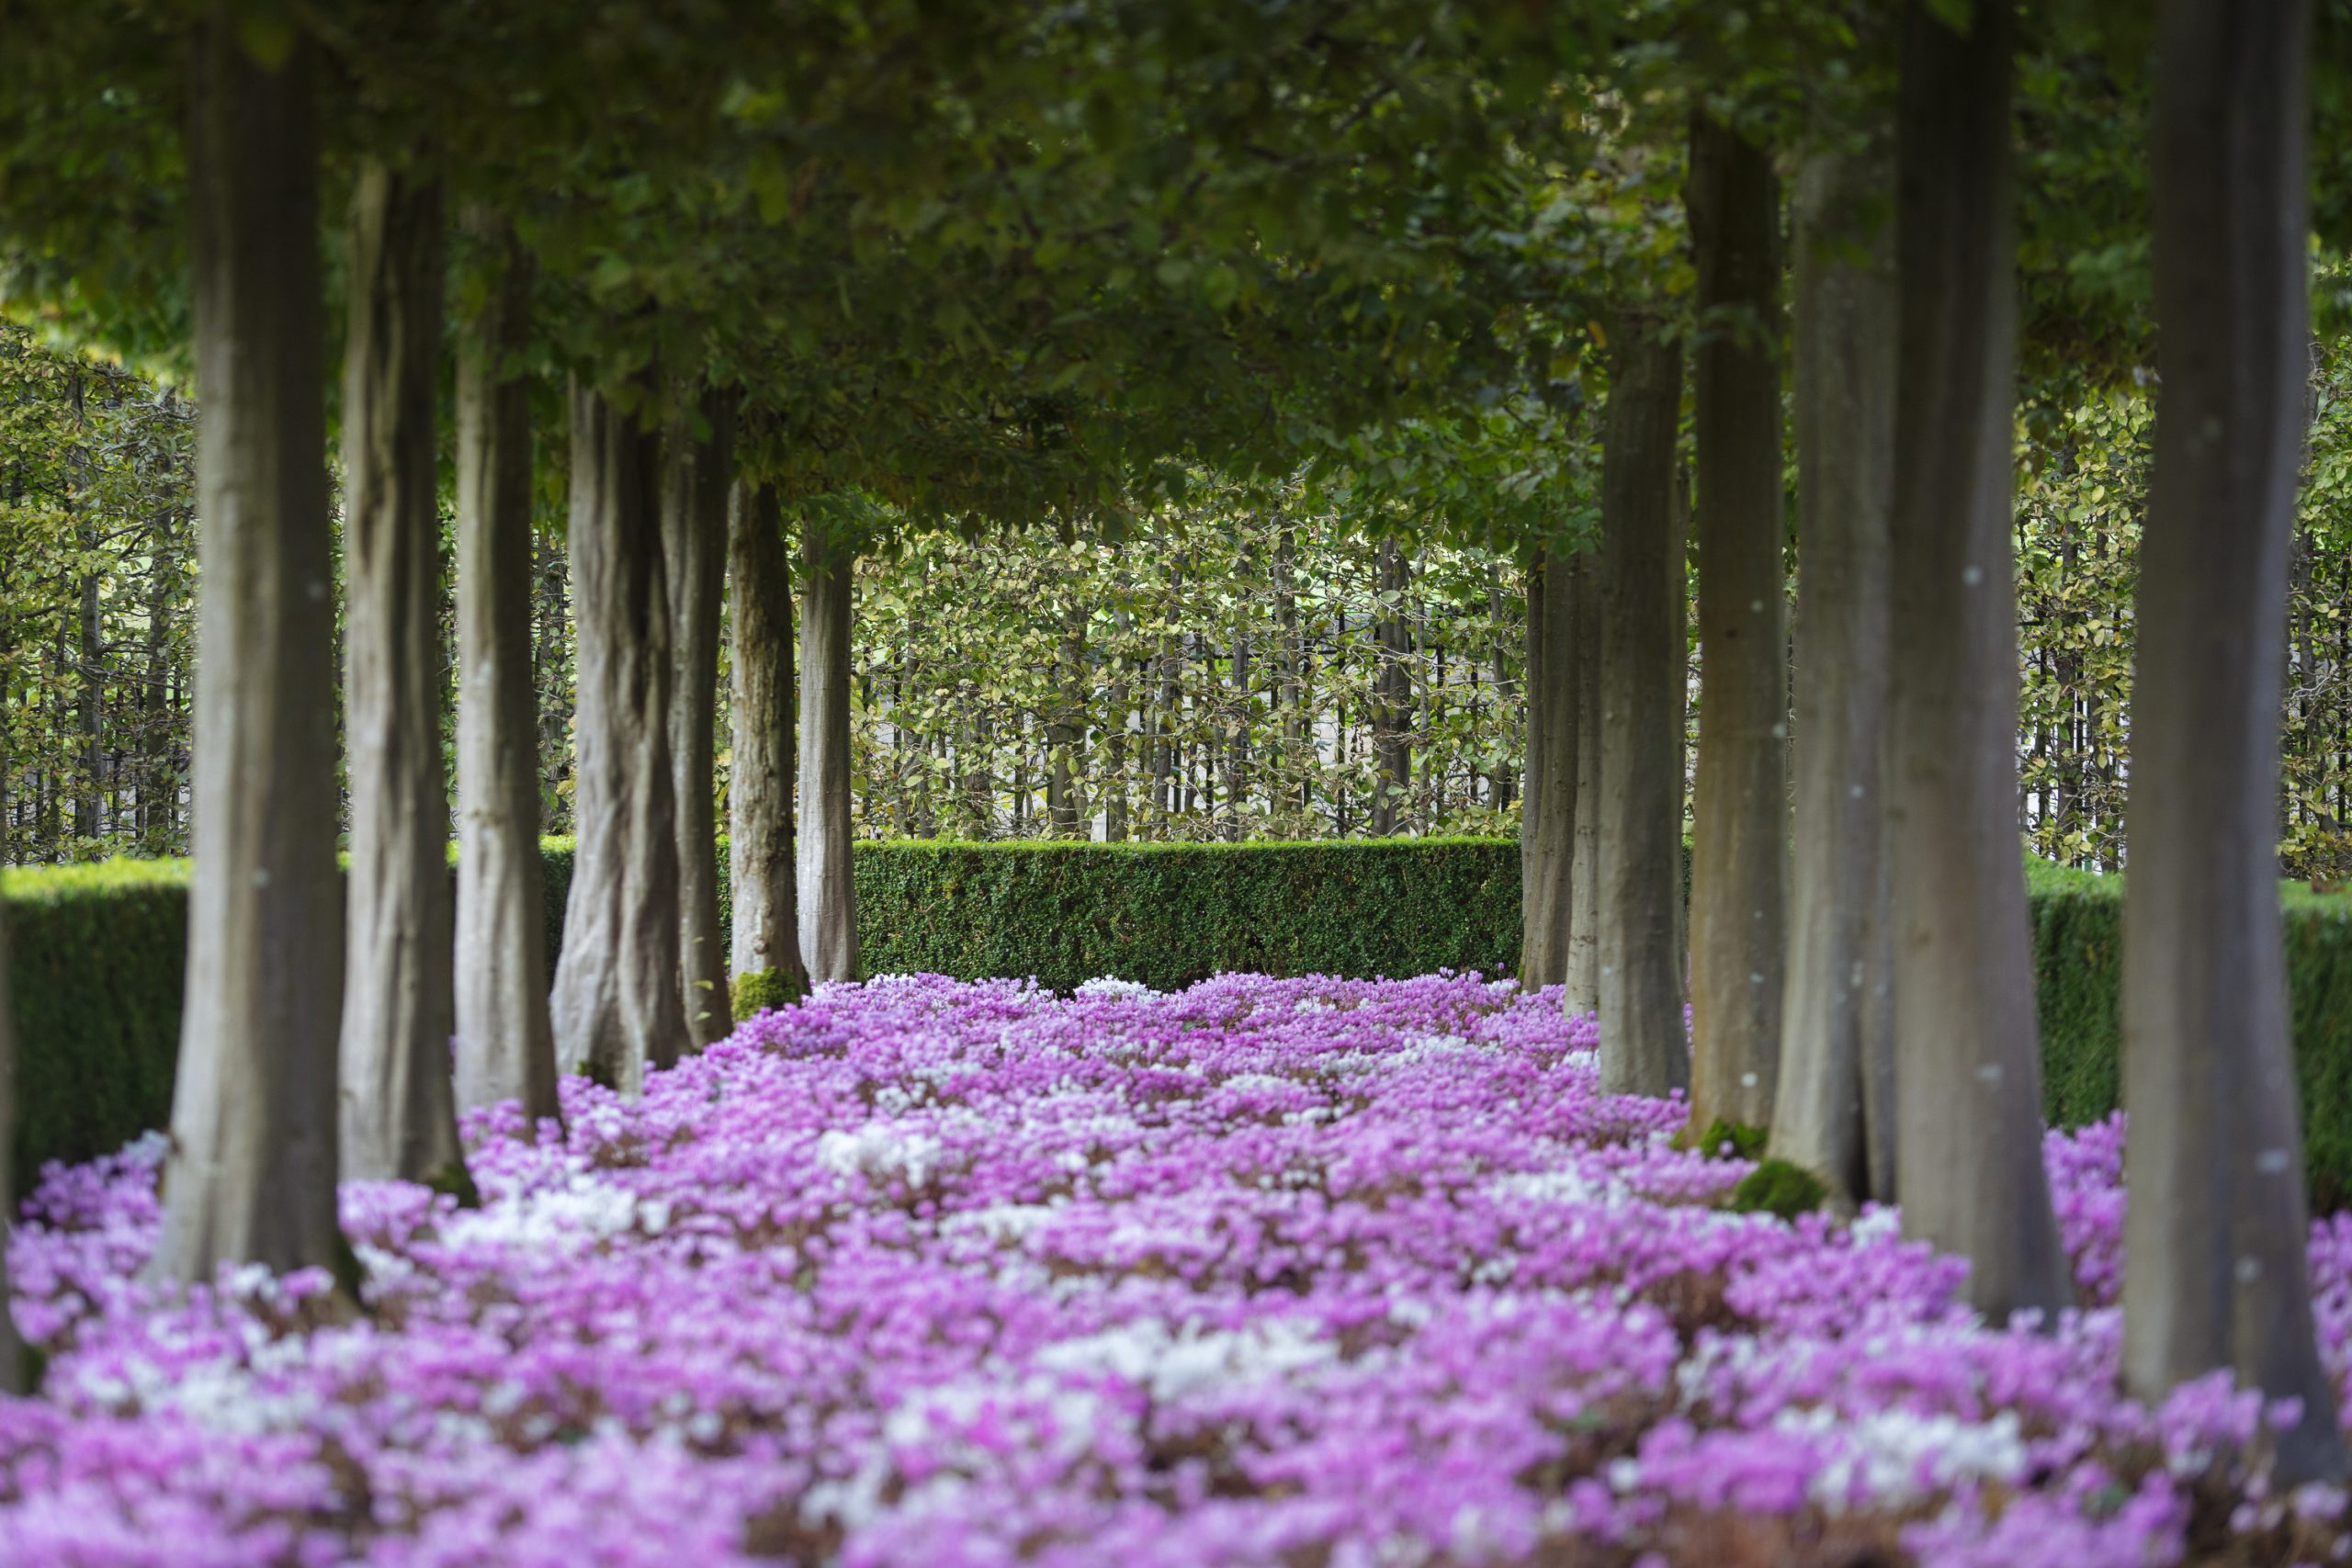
(1859, 978)
(782, 283)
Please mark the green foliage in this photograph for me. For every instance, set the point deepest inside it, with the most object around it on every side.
(2078, 960)
(763, 990)
(2078, 979)
(1216, 679)
(95, 962)
(556, 858)
(1737, 1139)
(97, 644)
(1776, 1186)
(2077, 564)
(33, 1367)
(456, 1181)
(350, 1273)
(1168, 915)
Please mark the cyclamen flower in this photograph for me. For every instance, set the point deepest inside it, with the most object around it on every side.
(1367, 1273)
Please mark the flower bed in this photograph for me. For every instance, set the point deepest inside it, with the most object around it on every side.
(1287, 1273)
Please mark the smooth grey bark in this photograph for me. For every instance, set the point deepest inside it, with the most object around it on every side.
(828, 893)
(1833, 1114)
(616, 1008)
(1968, 1067)
(505, 1043)
(398, 1106)
(1740, 797)
(250, 1173)
(1642, 1046)
(1548, 813)
(1584, 877)
(2215, 1241)
(698, 473)
(761, 703)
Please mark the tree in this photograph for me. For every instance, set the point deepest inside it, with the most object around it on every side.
(1392, 695)
(762, 861)
(617, 1009)
(2215, 1271)
(399, 1116)
(1642, 1046)
(1740, 805)
(1548, 816)
(696, 478)
(828, 893)
(1968, 1088)
(1584, 876)
(252, 1168)
(1833, 1113)
(505, 1045)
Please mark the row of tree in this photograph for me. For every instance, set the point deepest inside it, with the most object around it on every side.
(986, 671)
(892, 271)
(1868, 996)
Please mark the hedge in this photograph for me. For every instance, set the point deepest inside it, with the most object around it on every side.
(96, 969)
(2078, 952)
(1171, 914)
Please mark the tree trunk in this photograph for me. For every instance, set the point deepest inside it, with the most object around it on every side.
(89, 701)
(1968, 1078)
(1833, 1113)
(1643, 660)
(1392, 697)
(1065, 735)
(1548, 818)
(1236, 773)
(1163, 752)
(2215, 1269)
(828, 892)
(89, 654)
(1584, 876)
(250, 1173)
(696, 475)
(1122, 697)
(1296, 767)
(1740, 805)
(399, 1115)
(505, 1043)
(616, 1008)
(766, 934)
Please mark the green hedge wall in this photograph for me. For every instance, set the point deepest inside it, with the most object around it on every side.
(95, 958)
(98, 954)
(1171, 914)
(2078, 954)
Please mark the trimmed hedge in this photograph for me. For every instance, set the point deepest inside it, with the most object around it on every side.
(1172, 913)
(95, 967)
(2078, 954)
(95, 961)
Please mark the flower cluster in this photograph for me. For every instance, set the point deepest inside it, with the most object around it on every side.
(925, 1273)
